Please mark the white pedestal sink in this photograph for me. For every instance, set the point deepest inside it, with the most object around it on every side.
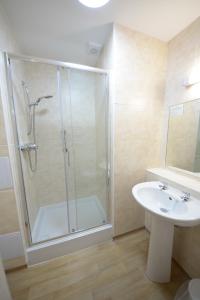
(168, 209)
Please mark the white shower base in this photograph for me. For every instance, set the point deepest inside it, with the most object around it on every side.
(52, 221)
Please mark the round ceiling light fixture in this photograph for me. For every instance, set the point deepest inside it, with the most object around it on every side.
(94, 3)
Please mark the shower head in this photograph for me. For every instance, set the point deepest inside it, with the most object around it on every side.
(40, 99)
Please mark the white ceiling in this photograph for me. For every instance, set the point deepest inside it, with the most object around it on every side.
(61, 29)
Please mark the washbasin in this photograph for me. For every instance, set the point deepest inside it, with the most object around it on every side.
(168, 207)
(168, 203)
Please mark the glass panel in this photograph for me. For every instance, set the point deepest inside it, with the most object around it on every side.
(65, 97)
(183, 145)
(39, 125)
(86, 135)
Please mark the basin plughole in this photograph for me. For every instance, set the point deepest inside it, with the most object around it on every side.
(167, 209)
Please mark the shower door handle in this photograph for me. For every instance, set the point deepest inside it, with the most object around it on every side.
(68, 156)
(65, 147)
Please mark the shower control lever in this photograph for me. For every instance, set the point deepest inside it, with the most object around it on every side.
(28, 147)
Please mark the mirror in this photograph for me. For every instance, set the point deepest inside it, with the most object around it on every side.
(183, 144)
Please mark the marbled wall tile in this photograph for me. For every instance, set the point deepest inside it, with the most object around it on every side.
(184, 56)
(8, 212)
(140, 69)
(4, 150)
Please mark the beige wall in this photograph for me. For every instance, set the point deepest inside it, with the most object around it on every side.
(183, 59)
(138, 65)
(8, 211)
(138, 83)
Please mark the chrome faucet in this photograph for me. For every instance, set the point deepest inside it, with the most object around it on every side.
(28, 147)
(185, 197)
(163, 186)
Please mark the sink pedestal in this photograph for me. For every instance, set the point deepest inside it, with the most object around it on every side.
(160, 250)
(167, 209)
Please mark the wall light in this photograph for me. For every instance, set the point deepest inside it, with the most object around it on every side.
(189, 83)
(94, 3)
(194, 74)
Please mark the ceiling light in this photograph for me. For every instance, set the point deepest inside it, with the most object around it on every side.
(94, 3)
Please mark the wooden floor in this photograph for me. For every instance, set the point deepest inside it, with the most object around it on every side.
(110, 271)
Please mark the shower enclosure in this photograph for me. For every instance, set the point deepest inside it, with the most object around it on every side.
(62, 127)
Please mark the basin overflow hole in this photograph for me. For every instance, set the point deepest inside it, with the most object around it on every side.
(164, 210)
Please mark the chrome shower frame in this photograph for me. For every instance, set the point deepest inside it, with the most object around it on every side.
(72, 66)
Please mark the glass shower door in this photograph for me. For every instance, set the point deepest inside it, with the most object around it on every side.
(85, 121)
(61, 121)
(38, 123)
